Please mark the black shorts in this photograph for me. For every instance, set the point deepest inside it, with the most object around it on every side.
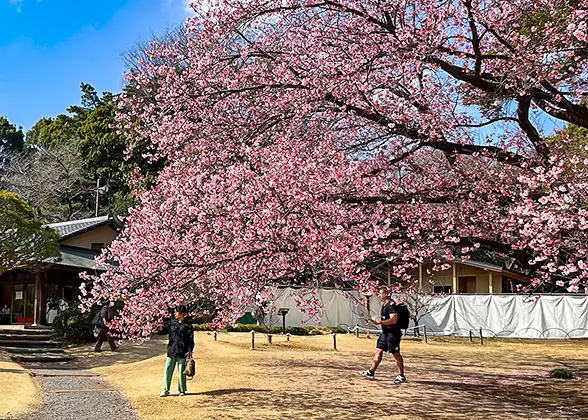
(389, 343)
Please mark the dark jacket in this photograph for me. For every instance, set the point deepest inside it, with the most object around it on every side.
(181, 338)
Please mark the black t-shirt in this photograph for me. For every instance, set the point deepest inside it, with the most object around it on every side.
(388, 309)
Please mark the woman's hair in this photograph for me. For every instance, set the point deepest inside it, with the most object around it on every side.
(181, 309)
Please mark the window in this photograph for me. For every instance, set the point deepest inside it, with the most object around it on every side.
(442, 289)
(97, 246)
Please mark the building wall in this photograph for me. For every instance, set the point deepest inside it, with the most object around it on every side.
(445, 277)
(101, 235)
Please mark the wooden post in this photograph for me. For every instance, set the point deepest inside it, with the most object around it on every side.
(367, 304)
(454, 278)
(335, 341)
(215, 334)
(357, 331)
(269, 338)
(39, 301)
(471, 337)
(420, 276)
(288, 337)
(252, 339)
(425, 334)
(481, 337)
(490, 285)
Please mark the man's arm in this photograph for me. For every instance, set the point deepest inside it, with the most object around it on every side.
(164, 327)
(393, 320)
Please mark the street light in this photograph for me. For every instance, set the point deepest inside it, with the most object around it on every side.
(283, 312)
(99, 190)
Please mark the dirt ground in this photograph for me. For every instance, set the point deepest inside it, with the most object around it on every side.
(19, 393)
(307, 379)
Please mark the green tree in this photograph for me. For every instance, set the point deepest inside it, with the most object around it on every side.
(24, 241)
(49, 132)
(11, 139)
(92, 126)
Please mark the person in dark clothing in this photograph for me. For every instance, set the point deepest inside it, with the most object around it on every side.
(101, 331)
(389, 340)
(5, 313)
(179, 347)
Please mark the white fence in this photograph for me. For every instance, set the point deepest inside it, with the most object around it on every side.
(521, 316)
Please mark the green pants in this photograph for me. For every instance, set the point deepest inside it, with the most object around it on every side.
(170, 365)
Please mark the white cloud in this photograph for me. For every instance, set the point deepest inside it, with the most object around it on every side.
(204, 5)
(18, 4)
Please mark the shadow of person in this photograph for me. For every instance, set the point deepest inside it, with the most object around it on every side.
(218, 392)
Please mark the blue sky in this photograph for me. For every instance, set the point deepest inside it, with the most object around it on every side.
(48, 47)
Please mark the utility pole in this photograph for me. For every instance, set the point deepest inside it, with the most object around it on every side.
(97, 196)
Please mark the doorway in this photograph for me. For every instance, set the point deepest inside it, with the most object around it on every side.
(23, 303)
(467, 284)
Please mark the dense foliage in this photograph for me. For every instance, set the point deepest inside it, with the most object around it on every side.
(73, 326)
(24, 241)
(306, 138)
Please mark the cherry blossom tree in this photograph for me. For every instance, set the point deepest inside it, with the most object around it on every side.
(306, 137)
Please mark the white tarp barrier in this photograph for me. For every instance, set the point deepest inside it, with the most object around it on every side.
(340, 308)
(542, 316)
(538, 316)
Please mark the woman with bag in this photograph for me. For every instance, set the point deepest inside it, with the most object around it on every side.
(179, 348)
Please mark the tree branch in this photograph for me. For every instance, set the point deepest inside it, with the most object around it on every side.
(529, 129)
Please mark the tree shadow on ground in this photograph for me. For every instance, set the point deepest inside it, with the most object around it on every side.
(489, 383)
(433, 391)
(127, 352)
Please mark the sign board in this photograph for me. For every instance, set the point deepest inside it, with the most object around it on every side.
(18, 295)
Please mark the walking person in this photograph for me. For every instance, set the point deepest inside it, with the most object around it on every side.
(106, 314)
(5, 314)
(389, 340)
(179, 347)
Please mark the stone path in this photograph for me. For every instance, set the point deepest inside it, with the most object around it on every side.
(70, 393)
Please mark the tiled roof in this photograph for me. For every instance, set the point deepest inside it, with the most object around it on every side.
(73, 227)
(71, 256)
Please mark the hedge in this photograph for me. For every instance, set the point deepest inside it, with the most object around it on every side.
(307, 330)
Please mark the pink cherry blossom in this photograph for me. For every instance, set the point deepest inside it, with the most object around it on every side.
(311, 140)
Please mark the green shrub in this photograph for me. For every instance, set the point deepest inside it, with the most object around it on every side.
(561, 374)
(307, 330)
(74, 327)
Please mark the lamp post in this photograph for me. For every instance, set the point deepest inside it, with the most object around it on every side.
(283, 312)
(99, 190)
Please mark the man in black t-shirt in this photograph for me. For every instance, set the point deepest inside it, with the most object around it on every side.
(389, 340)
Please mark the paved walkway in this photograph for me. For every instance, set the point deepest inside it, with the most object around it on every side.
(71, 393)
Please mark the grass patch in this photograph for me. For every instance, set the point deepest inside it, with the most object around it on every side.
(19, 393)
(561, 374)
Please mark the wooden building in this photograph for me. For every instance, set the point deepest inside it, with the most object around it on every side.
(35, 297)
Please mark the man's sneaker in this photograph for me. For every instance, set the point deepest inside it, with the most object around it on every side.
(400, 379)
(368, 374)
(164, 393)
(182, 394)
